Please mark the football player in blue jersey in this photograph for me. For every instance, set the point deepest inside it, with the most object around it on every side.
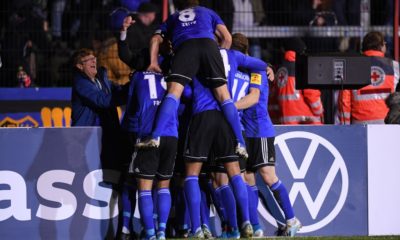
(211, 138)
(239, 83)
(260, 136)
(215, 137)
(145, 95)
(146, 92)
(191, 30)
(246, 93)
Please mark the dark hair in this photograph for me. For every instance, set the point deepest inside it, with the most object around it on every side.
(183, 4)
(373, 41)
(147, 7)
(240, 43)
(79, 54)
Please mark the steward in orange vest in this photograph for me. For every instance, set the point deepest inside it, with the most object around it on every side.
(367, 105)
(296, 106)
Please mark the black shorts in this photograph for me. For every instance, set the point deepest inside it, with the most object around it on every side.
(261, 153)
(209, 132)
(198, 57)
(219, 167)
(155, 162)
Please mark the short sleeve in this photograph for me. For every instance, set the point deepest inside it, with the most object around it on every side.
(215, 19)
(257, 78)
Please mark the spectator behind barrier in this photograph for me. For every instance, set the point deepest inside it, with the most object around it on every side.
(367, 105)
(393, 103)
(297, 106)
(135, 31)
(24, 80)
(94, 100)
(107, 55)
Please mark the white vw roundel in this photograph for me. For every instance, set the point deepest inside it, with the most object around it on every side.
(299, 174)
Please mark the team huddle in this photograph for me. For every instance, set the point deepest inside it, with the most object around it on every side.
(219, 96)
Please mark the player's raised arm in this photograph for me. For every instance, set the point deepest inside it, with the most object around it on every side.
(224, 36)
(155, 43)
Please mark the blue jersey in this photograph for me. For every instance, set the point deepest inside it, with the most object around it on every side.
(196, 22)
(256, 120)
(203, 98)
(238, 87)
(234, 59)
(238, 81)
(146, 92)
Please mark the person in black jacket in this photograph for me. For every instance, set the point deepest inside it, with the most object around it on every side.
(135, 34)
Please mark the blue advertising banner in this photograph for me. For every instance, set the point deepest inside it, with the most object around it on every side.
(51, 185)
(325, 172)
(35, 107)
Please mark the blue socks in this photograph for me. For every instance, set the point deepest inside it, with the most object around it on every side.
(163, 207)
(166, 111)
(252, 191)
(241, 196)
(146, 212)
(204, 209)
(216, 198)
(232, 116)
(229, 205)
(193, 197)
(282, 197)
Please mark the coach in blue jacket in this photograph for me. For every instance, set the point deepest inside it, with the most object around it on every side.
(94, 103)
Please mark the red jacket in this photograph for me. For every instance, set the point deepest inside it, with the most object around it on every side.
(297, 106)
(273, 103)
(367, 105)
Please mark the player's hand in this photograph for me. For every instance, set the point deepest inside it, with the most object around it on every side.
(270, 74)
(128, 21)
(154, 68)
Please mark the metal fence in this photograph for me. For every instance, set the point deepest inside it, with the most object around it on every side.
(41, 35)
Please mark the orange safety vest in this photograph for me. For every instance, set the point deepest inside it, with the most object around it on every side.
(297, 106)
(367, 105)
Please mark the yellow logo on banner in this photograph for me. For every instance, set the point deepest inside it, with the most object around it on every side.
(54, 117)
(27, 121)
(255, 78)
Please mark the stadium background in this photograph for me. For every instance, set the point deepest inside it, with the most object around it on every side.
(28, 39)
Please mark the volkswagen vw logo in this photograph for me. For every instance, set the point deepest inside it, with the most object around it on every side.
(299, 170)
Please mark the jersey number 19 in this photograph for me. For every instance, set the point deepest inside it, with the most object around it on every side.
(151, 78)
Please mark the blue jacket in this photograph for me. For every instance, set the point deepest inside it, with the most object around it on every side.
(92, 106)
